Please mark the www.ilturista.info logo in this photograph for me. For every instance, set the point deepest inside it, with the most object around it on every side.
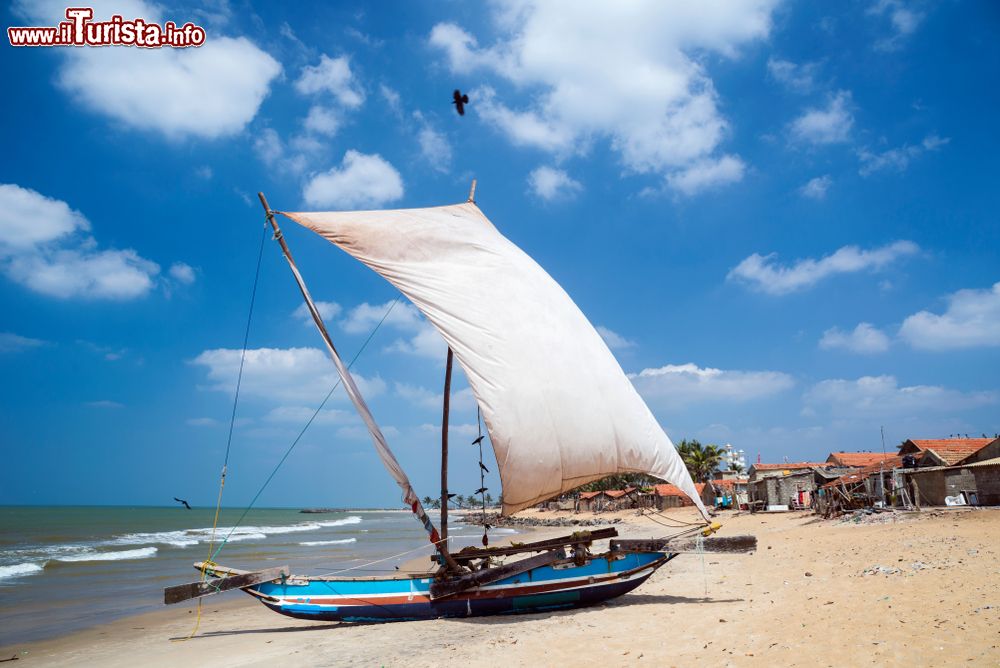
(80, 30)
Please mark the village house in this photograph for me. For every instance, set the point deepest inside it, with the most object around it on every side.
(670, 496)
(726, 493)
(954, 471)
(782, 486)
(857, 459)
(942, 451)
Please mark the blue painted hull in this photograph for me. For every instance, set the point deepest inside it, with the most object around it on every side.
(408, 598)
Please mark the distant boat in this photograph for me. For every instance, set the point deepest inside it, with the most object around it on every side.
(559, 410)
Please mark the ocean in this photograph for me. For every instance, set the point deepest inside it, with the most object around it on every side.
(66, 568)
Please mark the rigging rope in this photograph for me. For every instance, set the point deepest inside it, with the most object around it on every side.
(232, 418)
(291, 447)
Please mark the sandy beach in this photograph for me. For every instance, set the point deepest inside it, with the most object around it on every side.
(917, 589)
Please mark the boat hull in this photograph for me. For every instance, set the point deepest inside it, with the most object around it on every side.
(408, 598)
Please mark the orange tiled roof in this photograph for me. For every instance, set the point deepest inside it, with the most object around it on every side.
(789, 467)
(729, 483)
(673, 490)
(618, 493)
(589, 495)
(857, 458)
(952, 450)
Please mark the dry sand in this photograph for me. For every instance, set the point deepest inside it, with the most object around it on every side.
(803, 599)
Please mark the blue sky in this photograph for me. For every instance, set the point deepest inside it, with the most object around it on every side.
(784, 221)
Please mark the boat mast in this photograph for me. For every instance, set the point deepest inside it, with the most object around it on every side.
(444, 449)
(388, 459)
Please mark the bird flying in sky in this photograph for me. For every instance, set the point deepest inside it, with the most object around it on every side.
(460, 101)
(182, 501)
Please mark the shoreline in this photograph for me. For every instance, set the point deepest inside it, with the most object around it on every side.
(896, 590)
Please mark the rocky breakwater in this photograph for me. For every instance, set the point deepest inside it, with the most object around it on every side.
(498, 520)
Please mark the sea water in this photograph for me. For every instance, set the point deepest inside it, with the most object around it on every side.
(66, 568)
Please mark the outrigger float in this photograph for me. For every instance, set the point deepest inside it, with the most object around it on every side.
(558, 408)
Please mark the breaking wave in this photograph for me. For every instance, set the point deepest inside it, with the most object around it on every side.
(141, 553)
(329, 542)
(17, 570)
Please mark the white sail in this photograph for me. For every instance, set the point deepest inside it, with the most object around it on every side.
(559, 409)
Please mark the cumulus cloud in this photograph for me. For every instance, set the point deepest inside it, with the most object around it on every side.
(322, 121)
(549, 183)
(897, 159)
(211, 91)
(707, 174)
(300, 415)
(575, 56)
(15, 343)
(763, 273)
(903, 21)
(971, 320)
(182, 272)
(421, 397)
(881, 396)
(816, 187)
(865, 338)
(327, 310)
(829, 125)
(333, 76)
(614, 340)
(421, 339)
(800, 78)
(680, 384)
(360, 181)
(53, 256)
(291, 376)
(435, 148)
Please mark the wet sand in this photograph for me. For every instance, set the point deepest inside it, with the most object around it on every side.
(919, 590)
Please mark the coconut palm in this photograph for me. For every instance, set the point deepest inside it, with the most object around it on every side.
(701, 460)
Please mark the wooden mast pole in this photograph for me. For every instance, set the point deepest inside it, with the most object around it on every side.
(417, 508)
(444, 449)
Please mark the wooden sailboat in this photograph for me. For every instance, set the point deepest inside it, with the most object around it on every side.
(559, 410)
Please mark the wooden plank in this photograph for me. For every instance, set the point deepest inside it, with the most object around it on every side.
(451, 586)
(722, 544)
(470, 553)
(185, 592)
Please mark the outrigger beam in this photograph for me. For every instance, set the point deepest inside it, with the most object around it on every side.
(236, 580)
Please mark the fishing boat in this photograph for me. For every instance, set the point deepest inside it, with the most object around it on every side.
(559, 412)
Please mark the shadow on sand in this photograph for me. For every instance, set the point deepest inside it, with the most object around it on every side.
(629, 600)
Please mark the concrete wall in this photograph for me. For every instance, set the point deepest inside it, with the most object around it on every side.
(989, 452)
(987, 484)
(935, 485)
(779, 490)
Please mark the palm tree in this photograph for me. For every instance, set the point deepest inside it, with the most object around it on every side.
(459, 500)
(701, 460)
(489, 499)
(427, 501)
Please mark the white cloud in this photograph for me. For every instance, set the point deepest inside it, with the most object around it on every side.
(614, 340)
(897, 158)
(762, 273)
(362, 318)
(300, 415)
(333, 76)
(28, 219)
(421, 397)
(103, 403)
(361, 181)
(434, 146)
(816, 187)
(15, 343)
(971, 320)
(706, 174)
(291, 376)
(327, 310)
(881, 396)
(800, 78)
(662, 118)
(211, 91)
(549, 183)
(680, 384)
(864, 339)
(273, 152)
(392, 98)
(84, 273)
(825, 126)
(904, 21)
(182, 272)
(468, 430)
(322, 121)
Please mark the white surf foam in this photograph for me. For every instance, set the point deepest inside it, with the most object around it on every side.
(141, 553)
(17, 570)
(329, 542)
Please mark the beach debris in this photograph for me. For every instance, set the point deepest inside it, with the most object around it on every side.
(459, 101)
(878, 569)
(808, 574)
